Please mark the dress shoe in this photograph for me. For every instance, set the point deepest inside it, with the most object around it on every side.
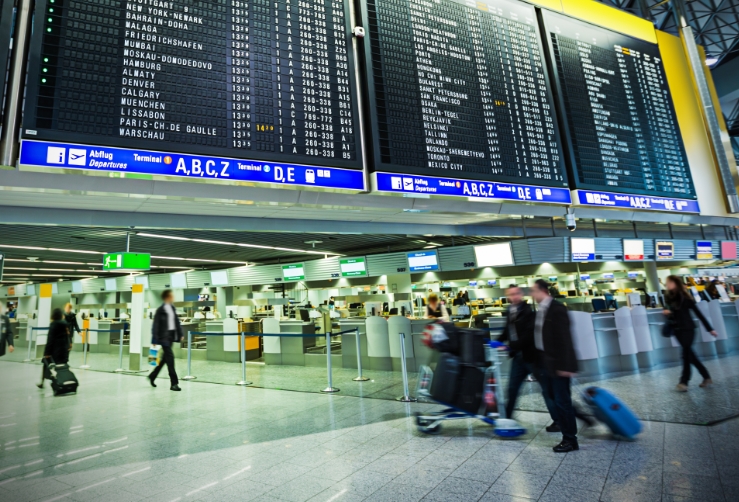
(706, 383)
(151, 381)
(554, 428)
(565, 447)
(175, 388)
(40, 385)
(681, 387)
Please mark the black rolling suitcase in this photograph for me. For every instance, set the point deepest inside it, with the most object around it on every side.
(471, 389)
(446, 379)
(62, 379)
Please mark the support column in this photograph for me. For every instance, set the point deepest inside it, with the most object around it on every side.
(653, 285)
(44, 318)
(137, 335)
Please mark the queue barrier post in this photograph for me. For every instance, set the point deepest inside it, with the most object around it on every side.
(120, 353)
(243, 381)
(85, 343)
(359, 377)
(330, 388)
(30, 342)
(405, 398)
(189, 357)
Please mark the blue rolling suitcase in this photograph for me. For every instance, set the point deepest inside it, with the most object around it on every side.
(611, 411)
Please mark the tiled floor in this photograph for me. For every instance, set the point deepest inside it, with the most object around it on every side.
(649, 393)
(121, 440)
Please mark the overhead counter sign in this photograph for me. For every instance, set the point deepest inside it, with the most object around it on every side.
(293, 272)
(353, 267)
(633, 250)
(645, 202)
(127, 261)
(423, 261)
(703, 250)
(665, 250)
(582, 249)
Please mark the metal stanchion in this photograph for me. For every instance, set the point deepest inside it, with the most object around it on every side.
(30, 342)
(359, 378)
(405, 398)
(85, 343)
(189, 357)
(120, 353)
(330, 387)
(243, 362)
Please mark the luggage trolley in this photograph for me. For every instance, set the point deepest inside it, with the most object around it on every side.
(487, 405)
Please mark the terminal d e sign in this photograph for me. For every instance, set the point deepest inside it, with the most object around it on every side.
(127, 261)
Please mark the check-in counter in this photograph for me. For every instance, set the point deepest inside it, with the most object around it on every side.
(252, 343)
(22, 332)
(730, 313)
(664, 350)
(101, 341)
(395, 326)
(584, 342)
(378, 344)
(287, 350)
(349, 342)
(223, 348)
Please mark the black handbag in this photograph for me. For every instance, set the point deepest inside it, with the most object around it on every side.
(668, 329)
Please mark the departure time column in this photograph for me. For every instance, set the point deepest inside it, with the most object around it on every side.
(239, 76)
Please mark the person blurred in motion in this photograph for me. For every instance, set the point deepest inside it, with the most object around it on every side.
(712, 290)
(6, 332)
(555, 354)
(71, 319)
(57, 344)
(459, 300)
(435, 309)
(679, 305)
(518, 333)
(166, 330)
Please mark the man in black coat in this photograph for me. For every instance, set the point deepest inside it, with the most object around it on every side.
(166, 330)
(557, 361)
(6, 332)
(519, 335)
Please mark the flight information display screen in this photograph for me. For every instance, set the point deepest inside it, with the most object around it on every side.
(616, 107)
(459, 89)
(269, 80)
(6, 24)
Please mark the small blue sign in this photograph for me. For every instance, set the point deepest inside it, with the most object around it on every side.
(430, 185)
(584, 277)
(473, 283)
(703, 250)
(492, 282)
(110, 159)
(645, 202)
(423, 261)
(608, 276)
(633, 275)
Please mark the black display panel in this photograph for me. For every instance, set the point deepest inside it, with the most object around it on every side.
(6, 28)
(257, 79)
(615, 106)
(460, 89)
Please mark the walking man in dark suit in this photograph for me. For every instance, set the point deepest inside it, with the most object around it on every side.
(166, 330)
(556, 360)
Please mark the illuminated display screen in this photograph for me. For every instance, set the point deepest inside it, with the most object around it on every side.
(6, 22)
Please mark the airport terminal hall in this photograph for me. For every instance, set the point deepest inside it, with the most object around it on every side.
(369, 250)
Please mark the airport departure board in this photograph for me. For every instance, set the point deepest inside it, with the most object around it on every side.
(460, 89)
(616, 108)
(6, 28)
(270, 80)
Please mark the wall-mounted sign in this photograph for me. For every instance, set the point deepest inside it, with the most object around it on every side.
(703, 250)
(11, 291)
(494, 255)
(293, 272)
(178, 281)
(728, 252)
(110, 285)
(633, 275)
(492, 282)
(473, 283)
(77, 287)
(584, 277)
(582, 249)
(127, 261)
(423, 261)
(552, 278)
(625, 201)
(608, 276)
(219, 278)
(633, 250)
(353, 267)
(665, 250)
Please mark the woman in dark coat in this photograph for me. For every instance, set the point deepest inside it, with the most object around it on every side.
(57, 343)
(6, 332)
(680, 304)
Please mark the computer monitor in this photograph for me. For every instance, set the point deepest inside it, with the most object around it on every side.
(571, 292)
(504, 301)
(304, 316)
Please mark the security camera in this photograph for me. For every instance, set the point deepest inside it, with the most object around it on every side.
(358, 32)
(570, 221)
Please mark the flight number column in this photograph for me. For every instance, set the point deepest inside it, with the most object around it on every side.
(239, 77)
(339, 91)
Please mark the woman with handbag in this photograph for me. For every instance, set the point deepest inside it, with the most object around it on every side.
(680, 303)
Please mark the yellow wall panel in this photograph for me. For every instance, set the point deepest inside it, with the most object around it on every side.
(45, 291)
(611, 18)
(692, 127)
(137, 288)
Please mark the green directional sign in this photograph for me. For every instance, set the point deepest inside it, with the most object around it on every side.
(127, 261)
(353, 267)
(293, 272)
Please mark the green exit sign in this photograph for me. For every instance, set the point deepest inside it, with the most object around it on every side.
(127, 261)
